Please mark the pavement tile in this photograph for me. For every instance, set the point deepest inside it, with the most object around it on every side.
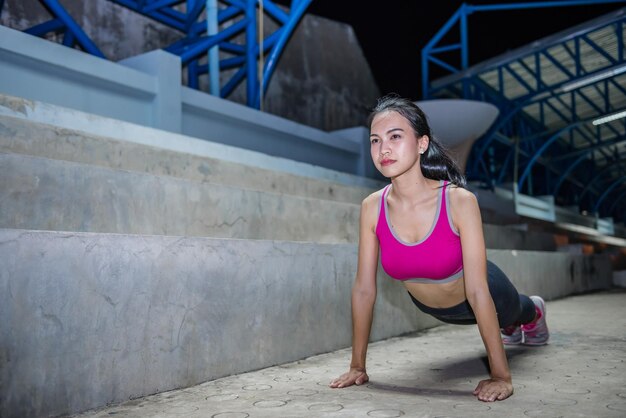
(581, 373)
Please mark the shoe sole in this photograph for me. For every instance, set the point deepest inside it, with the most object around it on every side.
(536, 344)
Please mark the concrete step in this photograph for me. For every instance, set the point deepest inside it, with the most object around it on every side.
(92, 319)
(194, 160)
(45, 194)
(52, 132)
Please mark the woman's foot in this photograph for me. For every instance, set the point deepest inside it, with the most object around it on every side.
(536, 333)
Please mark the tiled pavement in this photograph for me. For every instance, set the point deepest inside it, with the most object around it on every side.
(581, 373)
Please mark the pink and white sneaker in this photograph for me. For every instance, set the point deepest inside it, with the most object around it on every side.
(511, 335)
(536, 333)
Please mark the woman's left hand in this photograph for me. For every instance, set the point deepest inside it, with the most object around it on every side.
(491, 390)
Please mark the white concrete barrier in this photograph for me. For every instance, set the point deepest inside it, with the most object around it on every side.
(89, 319)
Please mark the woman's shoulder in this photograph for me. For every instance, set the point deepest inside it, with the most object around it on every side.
(374, 197)
(461, 197)
(371, 203)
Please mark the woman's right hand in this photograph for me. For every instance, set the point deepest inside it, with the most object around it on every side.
(356, 376)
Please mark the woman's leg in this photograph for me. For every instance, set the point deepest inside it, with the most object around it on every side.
(515, 310)
(512, 308)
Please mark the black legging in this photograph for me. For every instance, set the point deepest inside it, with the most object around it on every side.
(511, 307)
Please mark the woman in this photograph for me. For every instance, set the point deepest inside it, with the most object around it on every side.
(428, 229)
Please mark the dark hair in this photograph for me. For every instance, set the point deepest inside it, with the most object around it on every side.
(436, 163)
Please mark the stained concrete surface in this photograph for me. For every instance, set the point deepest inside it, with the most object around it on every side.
(581, 373)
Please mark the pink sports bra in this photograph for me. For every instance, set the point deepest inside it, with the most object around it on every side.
(437, 258)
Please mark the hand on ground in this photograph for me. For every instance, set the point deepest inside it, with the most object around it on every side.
(356, 376)
(493, 390)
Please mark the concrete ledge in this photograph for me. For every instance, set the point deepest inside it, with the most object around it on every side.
(503, 237)
(27, 137)
(73, 78)
(212, 118)
(91, 124)
(43, 194)
(90, 319)
(552, 274)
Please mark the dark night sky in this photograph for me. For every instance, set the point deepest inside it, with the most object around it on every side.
(393, 32)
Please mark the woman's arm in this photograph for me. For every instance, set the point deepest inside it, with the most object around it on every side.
(363, 295)
(466, 215)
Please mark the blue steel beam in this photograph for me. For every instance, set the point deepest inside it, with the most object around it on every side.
(41, 29)
(272, 60)
(205, 43)
(251, 57)
(160, 4)
(565, 174)
(62, 21)
(618, 182)
(610, 167)
(236, 15)
(592, 147)
(159, 16)
(551, 95)
(543, 147)
(194, 9)
(460, 17)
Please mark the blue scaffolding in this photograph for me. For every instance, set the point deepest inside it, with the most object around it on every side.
(210, 30)
(561, 131)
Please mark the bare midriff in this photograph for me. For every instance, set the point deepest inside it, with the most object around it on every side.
(438, 295)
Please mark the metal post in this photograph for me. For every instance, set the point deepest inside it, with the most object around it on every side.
(214, 55)
(261, 54)
(297, 11)
(251, 60)
(464, 49)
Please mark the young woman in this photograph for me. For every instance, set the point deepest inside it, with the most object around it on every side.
(428, 229)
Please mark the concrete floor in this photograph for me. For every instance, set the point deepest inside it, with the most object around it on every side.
(581, 373)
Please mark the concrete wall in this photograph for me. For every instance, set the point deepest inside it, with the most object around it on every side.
(322, 79)
(89, 319)
(67, 129)
(553, 275)
(39, 70)
(512, 238)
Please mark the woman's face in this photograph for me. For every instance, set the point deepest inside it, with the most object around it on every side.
(395, 148)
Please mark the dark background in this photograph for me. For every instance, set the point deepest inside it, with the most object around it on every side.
(392, 33)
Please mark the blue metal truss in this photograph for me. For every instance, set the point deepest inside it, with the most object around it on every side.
(235, 17)
(62, 22)
(544, 141)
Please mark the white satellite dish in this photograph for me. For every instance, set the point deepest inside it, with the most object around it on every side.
(458, 123)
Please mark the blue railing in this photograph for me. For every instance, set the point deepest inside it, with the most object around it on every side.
(189, 16)
(543, 140)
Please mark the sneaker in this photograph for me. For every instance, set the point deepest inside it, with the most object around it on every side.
(536, 333)
(511, 335)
